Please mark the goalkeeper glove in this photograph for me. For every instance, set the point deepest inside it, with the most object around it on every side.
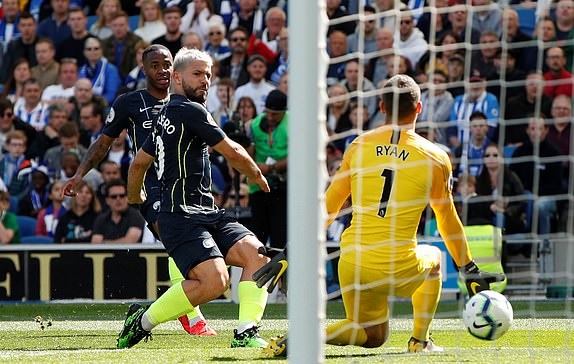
(477, 281)
(273, 272)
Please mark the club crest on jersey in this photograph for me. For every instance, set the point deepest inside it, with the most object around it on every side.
(111, 115)
(155, 205)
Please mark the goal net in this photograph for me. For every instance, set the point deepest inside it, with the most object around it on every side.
(496, 96)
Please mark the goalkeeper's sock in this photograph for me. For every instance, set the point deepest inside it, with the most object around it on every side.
(252, 302)
(425, 301)
(345, 332)
(176, 277)
(169, 306)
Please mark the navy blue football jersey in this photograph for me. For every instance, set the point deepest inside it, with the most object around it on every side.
(135, 111)
(179, 141)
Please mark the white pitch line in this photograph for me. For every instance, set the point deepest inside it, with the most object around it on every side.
(396, 324)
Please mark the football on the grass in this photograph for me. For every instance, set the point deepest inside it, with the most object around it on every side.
(487, 315)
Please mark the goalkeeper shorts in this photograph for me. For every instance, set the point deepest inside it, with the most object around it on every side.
(365, 291)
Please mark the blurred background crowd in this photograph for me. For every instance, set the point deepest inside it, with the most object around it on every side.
(497, 96)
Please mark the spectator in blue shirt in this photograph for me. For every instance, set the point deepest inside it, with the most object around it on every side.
(105, 76)
(9, 23)
(469, 155)
(56, 26)
(474, 99)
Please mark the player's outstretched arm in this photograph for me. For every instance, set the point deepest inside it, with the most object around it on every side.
(96, 153)
(239, 159)
(136, 175)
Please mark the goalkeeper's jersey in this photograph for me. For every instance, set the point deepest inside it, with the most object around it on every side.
(391, 175)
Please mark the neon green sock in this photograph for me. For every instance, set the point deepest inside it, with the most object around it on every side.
(345, 332)
(169, 306)
(425, 301)
(176, 277)
(252, 302)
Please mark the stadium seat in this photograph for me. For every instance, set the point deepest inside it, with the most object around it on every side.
(37, 239)
(485, 243)
(133, 21)
(91, 20)
(13, 205)
(507, 152)
(527, 20)
(27, 226)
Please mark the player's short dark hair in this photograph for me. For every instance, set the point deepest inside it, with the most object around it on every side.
(402, 91)
(152, 49)
(114, 183)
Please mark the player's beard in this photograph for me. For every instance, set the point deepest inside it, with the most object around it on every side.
(192, 94)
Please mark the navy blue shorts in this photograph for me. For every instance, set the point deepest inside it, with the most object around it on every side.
(193, 239)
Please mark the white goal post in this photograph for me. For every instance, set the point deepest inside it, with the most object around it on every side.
(308, 63)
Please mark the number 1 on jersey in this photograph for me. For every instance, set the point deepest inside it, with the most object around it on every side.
(389, 175)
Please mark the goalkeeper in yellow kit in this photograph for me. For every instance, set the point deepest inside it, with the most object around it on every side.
(391, 174)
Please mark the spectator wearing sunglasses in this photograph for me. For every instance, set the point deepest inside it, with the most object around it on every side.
(9, 122)
(217, 46)
(235, 66)
(121, 223)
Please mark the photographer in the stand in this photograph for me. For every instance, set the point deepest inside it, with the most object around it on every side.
(269, 132)
(233, 203)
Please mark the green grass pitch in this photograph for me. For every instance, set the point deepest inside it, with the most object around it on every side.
(86, 333)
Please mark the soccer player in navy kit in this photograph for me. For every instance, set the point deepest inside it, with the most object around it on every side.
(201, 238)
(135, 111)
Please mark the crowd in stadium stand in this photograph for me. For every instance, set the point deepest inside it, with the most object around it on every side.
(496, 78)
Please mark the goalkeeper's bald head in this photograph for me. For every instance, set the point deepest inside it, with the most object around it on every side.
(401, 100)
